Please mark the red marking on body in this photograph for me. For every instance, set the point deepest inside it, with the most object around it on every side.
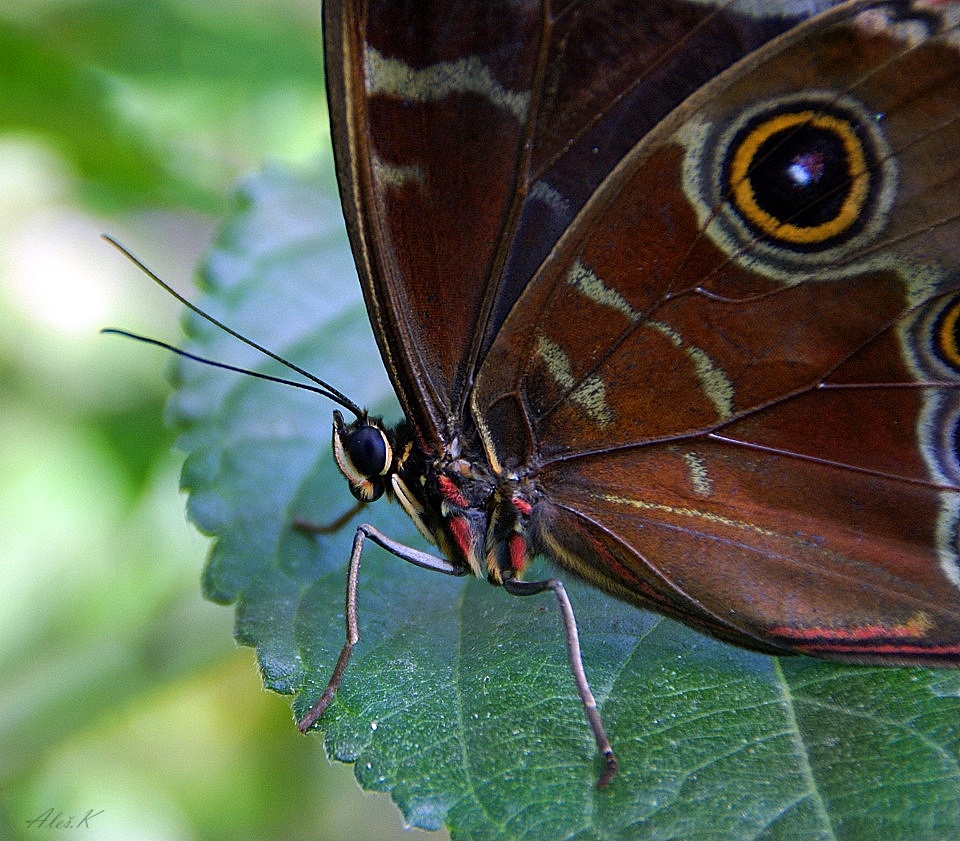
(522, 506)
(451, 493)
(460, 529)
(517, 547)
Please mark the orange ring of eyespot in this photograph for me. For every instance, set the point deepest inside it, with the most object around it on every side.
(947, 335)
(852, 206)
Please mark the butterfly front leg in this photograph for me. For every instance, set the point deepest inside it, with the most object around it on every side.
(413, 556)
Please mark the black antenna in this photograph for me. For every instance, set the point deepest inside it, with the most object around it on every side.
(320, 387)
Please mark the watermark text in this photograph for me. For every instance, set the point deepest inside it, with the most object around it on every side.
(55, 819)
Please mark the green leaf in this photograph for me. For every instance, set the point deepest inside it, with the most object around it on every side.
(459, 700)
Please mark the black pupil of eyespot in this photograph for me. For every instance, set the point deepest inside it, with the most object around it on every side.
(801, 176)
(368, 451)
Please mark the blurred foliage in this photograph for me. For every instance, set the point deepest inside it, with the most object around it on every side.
(162, 102)
(122, 689)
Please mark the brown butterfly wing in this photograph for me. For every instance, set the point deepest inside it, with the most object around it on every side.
(469, 134)
(754, 428)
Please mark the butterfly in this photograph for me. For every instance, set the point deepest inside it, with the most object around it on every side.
(669, 293)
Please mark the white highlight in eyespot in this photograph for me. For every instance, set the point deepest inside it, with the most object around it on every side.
(394, 78)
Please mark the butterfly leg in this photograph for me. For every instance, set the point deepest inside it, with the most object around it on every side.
(406, 553)
(529, 588)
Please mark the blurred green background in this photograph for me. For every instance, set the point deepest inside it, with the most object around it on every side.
(121, 690)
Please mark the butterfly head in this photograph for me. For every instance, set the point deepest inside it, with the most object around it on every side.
(364, 455)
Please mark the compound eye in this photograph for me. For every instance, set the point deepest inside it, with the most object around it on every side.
(367, 448)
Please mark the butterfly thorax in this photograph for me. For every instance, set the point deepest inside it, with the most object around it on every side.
(478, 521)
